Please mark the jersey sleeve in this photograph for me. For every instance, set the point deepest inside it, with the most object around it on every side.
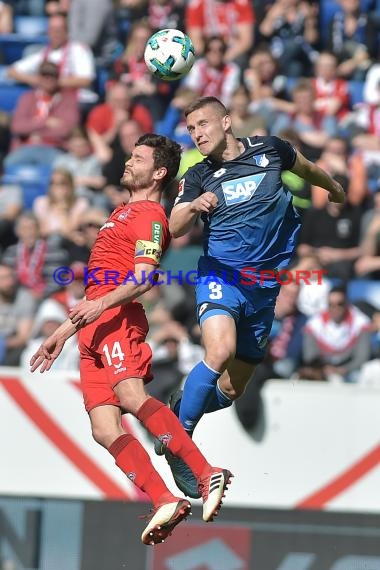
(151, 233)
(286, 151)
(189, 187)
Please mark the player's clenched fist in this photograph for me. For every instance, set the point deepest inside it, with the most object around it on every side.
(206, 202)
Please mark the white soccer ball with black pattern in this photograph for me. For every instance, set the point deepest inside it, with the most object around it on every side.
(169, 54)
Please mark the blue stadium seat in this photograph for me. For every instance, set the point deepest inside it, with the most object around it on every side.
(364, 290)
(33, 179)
(355, 89)
(31, 25)
(10, 94)
(12, 46)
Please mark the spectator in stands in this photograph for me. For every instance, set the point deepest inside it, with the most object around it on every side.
(104, 120)
(84, 167)
(211, 75)
(314, 289)
(332, 234)
(78, 247)
(6, 18)
(337, 161)
(299, 187)
(364, 130)
(53, 7)
(67, 297)
(368, 263)
(267, 88)
(48, 318)
(17, 309)
(121, 149)
(60, 212)
(314, 129)
(164, 14)
(332, 93)
(173, 124)
(130, 68)
(43, 119)
(11, 204)
(336, 342)
(33, 257)
(291, 27)
(234, 21)
(174, 355)
(95, 27)
(129, 13)
(353, 39)
(74, 60)
(371, 90)
(245, 122)
(283, 357)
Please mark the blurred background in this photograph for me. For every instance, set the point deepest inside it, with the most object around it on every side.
(304, 440)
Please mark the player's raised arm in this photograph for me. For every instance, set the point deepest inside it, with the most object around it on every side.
(184, 215)
(318, 177)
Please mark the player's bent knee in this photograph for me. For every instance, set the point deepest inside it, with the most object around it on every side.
(105, 437)
(219, 357)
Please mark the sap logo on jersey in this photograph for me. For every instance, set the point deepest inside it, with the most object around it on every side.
(241, 189)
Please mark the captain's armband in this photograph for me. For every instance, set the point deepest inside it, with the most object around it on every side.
(148, 249)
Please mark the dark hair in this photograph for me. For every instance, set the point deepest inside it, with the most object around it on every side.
(202, 102)
(79, 132)
(166, 153)
(49, 68)
(339, 288)
(213, 39)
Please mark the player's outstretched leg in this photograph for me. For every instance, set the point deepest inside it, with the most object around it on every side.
(165, 517)
(183, 476)
(168, 510)
(211, 482)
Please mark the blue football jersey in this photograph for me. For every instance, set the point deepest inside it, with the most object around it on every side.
(254, 223)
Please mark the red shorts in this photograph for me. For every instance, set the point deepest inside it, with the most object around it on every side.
(112, 349)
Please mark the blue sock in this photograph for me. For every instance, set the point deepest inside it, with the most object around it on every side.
(198, 389)
(219, 400)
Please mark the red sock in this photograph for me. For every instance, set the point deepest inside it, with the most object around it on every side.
(133, 460)
(164, 424)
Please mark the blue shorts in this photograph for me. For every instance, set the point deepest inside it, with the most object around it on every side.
(252, 309)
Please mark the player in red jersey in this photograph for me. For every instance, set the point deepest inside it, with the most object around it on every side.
(114, 357)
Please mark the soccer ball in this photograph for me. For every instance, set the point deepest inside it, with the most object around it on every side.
(169, 54)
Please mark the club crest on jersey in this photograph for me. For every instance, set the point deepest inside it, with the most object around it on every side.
(124, 215)
(241, 189)
(181, 187)
(261, 160)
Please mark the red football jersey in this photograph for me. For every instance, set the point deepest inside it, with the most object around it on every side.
(218, 18)
(134, 233)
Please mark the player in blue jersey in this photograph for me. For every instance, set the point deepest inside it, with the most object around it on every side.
(250, 233)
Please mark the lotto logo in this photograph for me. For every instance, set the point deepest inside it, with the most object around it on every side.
(241, 189)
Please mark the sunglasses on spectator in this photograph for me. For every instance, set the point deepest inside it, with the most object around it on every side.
(337, 303)
(49, 74)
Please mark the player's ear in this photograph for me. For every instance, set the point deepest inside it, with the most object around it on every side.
(226, 122)
(160, 173)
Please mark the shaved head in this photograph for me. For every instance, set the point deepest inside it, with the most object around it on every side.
(206, 102)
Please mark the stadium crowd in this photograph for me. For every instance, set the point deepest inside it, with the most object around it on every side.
(75, 94)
